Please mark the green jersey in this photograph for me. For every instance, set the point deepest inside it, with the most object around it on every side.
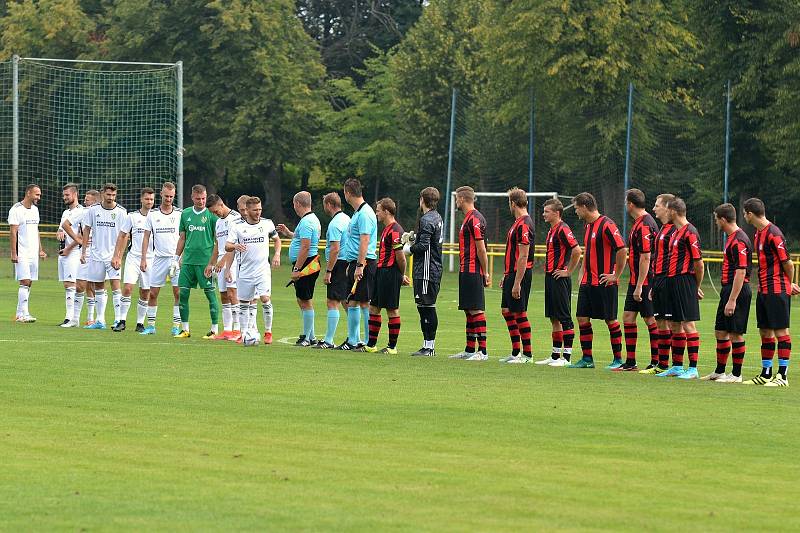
(200, 229)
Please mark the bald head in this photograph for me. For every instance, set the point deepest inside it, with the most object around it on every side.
(303, 199)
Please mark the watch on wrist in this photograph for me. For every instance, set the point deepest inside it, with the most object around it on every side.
(295, 269)
(329, 271)
(360, 265)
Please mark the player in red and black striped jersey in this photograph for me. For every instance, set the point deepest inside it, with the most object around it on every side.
(473, 275)
(684, 277)
(389, 276)
(561, 260)
(637, 302)
(775, 287)
(733, 310)
(516, 283)
(603, 260)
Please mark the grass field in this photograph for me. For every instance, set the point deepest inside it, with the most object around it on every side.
(116, 431)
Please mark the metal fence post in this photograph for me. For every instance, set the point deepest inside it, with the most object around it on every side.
(453, 102)
(531, 139)
(15, 131)
(727, 142)
(179, 131)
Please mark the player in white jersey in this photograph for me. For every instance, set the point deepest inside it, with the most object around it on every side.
(249, 238)
(102, 222)
(26, 247)
(132, 230)
(227, 290)
(162, 238)
(69, 253)
(73, 227)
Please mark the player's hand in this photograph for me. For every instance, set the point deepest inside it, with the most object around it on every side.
(608, 279)
(637, 294)
(700, 294)
(143, 265)
(14, 259)
(282, 229)
(487, 280)
(359, 273)
(795, 289)
(228, 275)
(83, 259)
(42, 254)
(295, 275)
(239, 247)
(516, 291)
(730, 308)
(208, 270)
(502, 279)
(276, 261)
(406, 281)
(563, 273)
(60, 235)
(327, 278)
(220, 265)
(116, 262)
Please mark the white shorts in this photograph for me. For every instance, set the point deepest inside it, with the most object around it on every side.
(99, 271)
(133, 275)
(159, 272)
(251, 289)
(26, 268)
(222, 283)
(68, 267)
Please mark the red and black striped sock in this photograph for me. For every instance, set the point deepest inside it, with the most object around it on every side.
(479, 327)
(513, 331)
(723, 350)
(664, 345)
(470, 347)
(784, 352)
(738, 358)
(615, 332)
(678, 347)
(525, 333)
(631, 336)
(693, 348)
(394, 330)
(587, 336)
(767, 355)
(374, 329)
(558, 343)
(652, 329)
(569, 338)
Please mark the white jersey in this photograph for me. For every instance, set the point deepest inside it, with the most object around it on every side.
(222, 229)
(28, 231)
(75, 218)
(68, 214)
(106, 225)
(136, 224)
(164, 232)
(254, 261)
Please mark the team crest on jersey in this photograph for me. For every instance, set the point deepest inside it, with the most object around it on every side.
(594, 235)
(113, 216)
(203, 219)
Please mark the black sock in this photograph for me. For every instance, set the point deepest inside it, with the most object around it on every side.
(766, 372)
(782, 370)
(720, 368)
(737, 370)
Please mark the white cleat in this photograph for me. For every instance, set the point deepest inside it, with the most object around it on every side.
(559, 362)
(461, 355)
(70, 324)
(777, 381)
(25, 319)
(477, 356)
(518, 360)
(545, 361)
(729, 378)
(713, 376)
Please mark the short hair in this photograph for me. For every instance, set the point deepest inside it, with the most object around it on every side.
(636, 197)
(388, 205)
(556, 205)
(585, 199)
(665, 198)
(30, 187)
(198, 189)
(73, 186)
(430, 197)
(146, 190)
(353, 186)
(94, 193)
(677, 205)
(109, 187)
(252, 200)
(242, 198)
(213, 200)
(755, 206)
(465, 192)
(518, 197)
(726, 211)
(303, 199)
(168, 185)
(333, 199)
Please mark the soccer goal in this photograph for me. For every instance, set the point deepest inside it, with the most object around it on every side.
(90, 122)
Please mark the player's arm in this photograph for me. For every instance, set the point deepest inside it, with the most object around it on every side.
(483, 259)
(213, 261)
(145, 243)
(423, 239)
(644, 268)
(363, 245)
(276, 256)
(42, 253)
(87, 231)
(122, 242)
(67, 227)
(181, 244)
(333, 256)
(738, 283)
(14, 238)
(302, 255)
(699, 273)
(619, 266)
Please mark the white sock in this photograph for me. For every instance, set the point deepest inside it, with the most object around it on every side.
(566, 351)
(251, 316)
(266, 311)
(227, 317)
(141, 311)
(151, 315)
(91, 306)
(124, 306)
(235, 317)
(185, 326)
(100, 302)
(428, 344)
(176, 315)
(69, 301)
(78, 307)
(116, 297)
(215, 329)
(244, 313)
(22, 300)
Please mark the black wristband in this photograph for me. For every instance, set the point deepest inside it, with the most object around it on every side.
(329, 271)
(360, 265)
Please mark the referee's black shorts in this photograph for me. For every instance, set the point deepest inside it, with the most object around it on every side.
(470, 292)
(338, 287)
(557, 297)
(516, 305)
(659, 294)
(386, 292)
(304, 287)
(597, 301)
(645, 307)
(683, 293)
(773, 311)
(737, 323)
(364, 288)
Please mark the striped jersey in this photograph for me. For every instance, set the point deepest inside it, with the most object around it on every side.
(473, 229)
(684, 250)
(738, 255)
(601, 240)
(520, 234)
(770, 246)
(560, 242)
(659, 256)
(640, 241)
(389, 243)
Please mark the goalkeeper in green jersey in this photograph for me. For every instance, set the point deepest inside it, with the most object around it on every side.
(197, 248)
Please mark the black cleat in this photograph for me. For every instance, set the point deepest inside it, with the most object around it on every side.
(139, 328)
(322, 345)
(64, 324)
(300, 340)
(120, 326)
(424, 352)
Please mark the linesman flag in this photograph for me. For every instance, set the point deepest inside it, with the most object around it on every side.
(311, 268)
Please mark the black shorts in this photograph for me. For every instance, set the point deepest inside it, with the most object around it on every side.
(772, 311)
(659, 294)
(338, 289)
(516, 305)
(738, 322)
(598, 301)
(557, 298)
(386, 292)
(304, 287)
(470, 292)
(364, 288)
(425, 292)
(683, 294)
(645, 307)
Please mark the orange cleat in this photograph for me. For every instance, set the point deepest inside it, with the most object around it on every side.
(268, 337)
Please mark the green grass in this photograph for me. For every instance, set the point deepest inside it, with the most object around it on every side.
(115, 431)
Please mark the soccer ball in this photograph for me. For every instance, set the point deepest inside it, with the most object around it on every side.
(250, 338)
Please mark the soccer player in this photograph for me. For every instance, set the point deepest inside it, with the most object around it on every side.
(775, 274)
(102, 223)
(561, 260)
(197, 248)
(227, 217)
(640, 244)
(304, 250)
(684, 278)
(427, 271)
(473, 275)
(733, 310)
(161, 240)
(389, 277)
(73, 227)
(249, 237)
(336, 266)
(359, 251)
(133, 230)
(603, 262)
(69, 254)
(516, 282)
(241, 205)
(26, 247)
(658, 293)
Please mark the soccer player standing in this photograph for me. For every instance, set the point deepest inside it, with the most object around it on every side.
(684, 278)
(733, 310)
(197, 248)
(473, 275)
(775, 287)
(303, 251)
(69, 254)
(26, 247)
(227, 217)
(389, 277)
(561, 258)
(73, 227)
